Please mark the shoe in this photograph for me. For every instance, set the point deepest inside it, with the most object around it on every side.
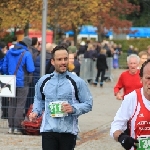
(17, 131)
(10, 130)
(94, 84)
(101, 85)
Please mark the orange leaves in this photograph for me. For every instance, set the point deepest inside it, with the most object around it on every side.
(111, 14)
(66, 13)
(19, 12)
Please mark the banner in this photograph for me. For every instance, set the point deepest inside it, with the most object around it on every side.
(7, 85)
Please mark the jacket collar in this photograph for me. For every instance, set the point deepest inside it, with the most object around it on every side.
(60, 75)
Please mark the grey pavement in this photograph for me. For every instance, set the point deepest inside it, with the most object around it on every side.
(94, 125)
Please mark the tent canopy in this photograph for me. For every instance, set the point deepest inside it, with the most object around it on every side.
(87, 29)
(141, 32)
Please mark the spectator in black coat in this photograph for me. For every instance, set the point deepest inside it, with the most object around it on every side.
(77, 65)
(130, 50)
(91, 52)
(101, 65)
(82, 49)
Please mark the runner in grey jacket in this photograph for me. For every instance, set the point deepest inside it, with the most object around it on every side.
(60, 88)
(72, 98)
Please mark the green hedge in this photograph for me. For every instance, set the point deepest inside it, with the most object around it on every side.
(7, 38)
(141, 44)
(123, 61)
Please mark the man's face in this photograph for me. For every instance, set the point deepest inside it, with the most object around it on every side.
(71, 58)
(143, 59)
(133, 65)
(146, 81)
(60, 61)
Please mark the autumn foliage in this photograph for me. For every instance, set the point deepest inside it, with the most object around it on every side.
(68, 14)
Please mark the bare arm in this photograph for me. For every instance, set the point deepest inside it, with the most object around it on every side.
(116, 134)
(119, 96)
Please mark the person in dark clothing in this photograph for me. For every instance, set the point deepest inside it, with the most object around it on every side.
(35, 53)
(101, 66)
(49, 67)
(77, 65)
(98, 47)
(130, 50)
(82, 48)
(36, 73)
(108, 50)
(34, 48)
(91, 52)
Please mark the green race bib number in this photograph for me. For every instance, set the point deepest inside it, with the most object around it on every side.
(144, 143)
(55, 109)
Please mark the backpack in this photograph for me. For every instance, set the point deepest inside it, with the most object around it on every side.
(33, 128)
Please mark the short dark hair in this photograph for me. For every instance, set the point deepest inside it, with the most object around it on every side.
(14, 38)
(2, 44)
(34, 41)
(60, 47)
(64, 44)
(142, 68)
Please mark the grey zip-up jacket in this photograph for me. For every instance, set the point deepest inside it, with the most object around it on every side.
(60, 88)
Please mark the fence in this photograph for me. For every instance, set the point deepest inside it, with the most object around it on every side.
(88, 69)
(4, 104)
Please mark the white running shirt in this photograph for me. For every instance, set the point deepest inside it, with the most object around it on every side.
(126, 111)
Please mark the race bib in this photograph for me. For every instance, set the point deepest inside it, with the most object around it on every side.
(56, 109)
(144, 143)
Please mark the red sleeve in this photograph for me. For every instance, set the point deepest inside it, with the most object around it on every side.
(119, 85)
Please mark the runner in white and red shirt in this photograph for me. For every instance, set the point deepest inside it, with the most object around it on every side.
(135, 109)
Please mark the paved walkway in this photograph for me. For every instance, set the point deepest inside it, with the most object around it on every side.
(94, 126)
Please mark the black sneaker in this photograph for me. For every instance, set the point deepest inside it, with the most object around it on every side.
(101, 85)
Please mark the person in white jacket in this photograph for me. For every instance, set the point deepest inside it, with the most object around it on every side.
(131, 124)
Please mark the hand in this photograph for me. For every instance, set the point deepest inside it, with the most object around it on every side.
(32, 116)
(119, 96)
(67, 108)
(126, 141)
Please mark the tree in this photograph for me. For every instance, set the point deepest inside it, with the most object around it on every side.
(110, 14)
(73, 14)
(16, 13)
(114, 17)
(142, 18)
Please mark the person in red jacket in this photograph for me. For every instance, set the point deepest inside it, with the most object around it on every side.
(129, 80)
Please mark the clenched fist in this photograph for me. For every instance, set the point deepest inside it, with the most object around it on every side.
(67, 108)
(32, 116)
